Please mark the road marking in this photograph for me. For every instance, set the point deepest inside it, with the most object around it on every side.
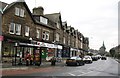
(84, 73)
(71, 74)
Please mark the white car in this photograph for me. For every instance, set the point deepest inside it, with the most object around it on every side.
(87, 59)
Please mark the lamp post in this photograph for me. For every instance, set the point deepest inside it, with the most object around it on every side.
(30, 43)
(16, 44)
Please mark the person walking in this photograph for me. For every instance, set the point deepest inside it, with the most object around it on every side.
(53, 61)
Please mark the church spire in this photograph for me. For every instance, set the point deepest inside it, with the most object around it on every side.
(103, 45)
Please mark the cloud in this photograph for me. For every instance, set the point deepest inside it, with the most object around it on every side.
(96, 19)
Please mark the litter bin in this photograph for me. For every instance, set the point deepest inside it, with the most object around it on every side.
(53, 61)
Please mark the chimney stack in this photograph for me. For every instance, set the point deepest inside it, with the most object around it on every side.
(38, 11)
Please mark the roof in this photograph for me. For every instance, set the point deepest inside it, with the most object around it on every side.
(28, 10)
(2, 6)
(54, 17)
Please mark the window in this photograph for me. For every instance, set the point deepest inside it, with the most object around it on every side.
(17, 11)
(47, 36)
(43, 36)
(21, 12)
(18, 29)
(64, 40)
(57, 37)
(43, 20)
(58, 25)
(26, 31)
(12, 28)
(38, 33)
(69, 41)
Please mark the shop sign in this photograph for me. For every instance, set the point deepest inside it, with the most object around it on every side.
(73, 49)
(42, 44)
(59, 47)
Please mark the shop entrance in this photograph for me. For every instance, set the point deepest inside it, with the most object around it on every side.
(26, 56)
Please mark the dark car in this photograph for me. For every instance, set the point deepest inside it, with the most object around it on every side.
(76, 60)
(94, 58)
(103, 58)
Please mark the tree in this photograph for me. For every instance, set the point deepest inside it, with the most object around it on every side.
(112, 52)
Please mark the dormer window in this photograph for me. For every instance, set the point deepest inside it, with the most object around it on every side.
(43, 20)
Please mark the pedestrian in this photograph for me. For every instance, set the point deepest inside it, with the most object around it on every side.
(53, 61)
(27, 58)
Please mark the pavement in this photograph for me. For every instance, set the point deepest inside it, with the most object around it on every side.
(8, 66)
(118, 60)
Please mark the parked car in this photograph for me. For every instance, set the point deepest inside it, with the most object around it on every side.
(103, 58)
(94, 58)
(99, 56)
(87, 59)
(76, 60)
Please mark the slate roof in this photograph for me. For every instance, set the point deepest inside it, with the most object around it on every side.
(54, 17)
(28, 10)
(2, 6)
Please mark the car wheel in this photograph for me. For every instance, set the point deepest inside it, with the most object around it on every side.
(77, 64)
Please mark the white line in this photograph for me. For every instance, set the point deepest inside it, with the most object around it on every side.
(84, 73)
(71, 74)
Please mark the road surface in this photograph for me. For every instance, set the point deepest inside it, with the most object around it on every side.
(107, 67)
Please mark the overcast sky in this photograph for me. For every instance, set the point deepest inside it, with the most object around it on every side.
(96, 19)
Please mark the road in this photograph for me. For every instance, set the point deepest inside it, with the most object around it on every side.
(107, 67)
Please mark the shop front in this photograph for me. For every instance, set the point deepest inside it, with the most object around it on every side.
(26, 54)
(73, 52)
(47, 50)
(66, 52)
(17, 52)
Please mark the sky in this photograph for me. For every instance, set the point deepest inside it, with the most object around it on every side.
(95, 19)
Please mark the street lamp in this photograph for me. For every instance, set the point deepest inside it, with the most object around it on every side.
(16, 44)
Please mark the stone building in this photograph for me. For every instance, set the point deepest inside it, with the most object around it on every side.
(41, 35)
(23, 33)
